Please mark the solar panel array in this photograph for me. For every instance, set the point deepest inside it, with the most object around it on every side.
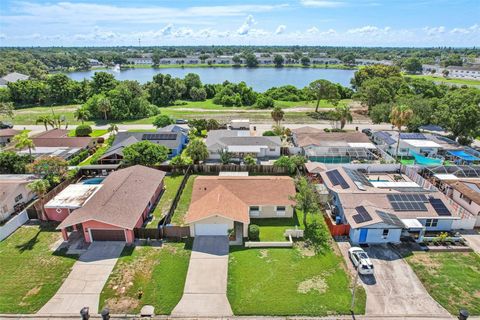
(337, 179)
(159, 136)
(413, 136)
(362, 215)
(358, 177)
(439, 207)
(390, 219)
(408, 202)
(385, 137)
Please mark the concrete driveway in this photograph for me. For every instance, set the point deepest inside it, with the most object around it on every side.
(205, 292)
(86, 280)
(394, 289)
(473, 239)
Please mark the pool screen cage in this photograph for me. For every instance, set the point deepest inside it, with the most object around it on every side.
(459, 171)
(339, 154)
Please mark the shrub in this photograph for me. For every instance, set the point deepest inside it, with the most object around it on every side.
(162, 120)
(100, 140)
(253, 232)
(78, 158)
(83, 130)
(269, 133)
(264, 102)
(316, 235)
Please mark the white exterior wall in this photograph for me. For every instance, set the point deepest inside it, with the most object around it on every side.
(375, 235)
(404, 149)
(7, 207)
(270, 212)
(443, 224)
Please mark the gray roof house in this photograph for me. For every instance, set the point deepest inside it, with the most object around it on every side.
(240, 143)
(174, 141)
(12, 77)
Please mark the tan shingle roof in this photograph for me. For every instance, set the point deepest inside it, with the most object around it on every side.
(231, 197)
(462, 187)
(121, 200)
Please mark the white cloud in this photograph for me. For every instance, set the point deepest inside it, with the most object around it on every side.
(246, 26)
(280, 29)
(433, 31)
(472, 29)
(312, 30)
(3, 36)
(167, 30)
(368, 30)
(322, 3)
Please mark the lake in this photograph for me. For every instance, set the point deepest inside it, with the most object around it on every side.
(259, 78)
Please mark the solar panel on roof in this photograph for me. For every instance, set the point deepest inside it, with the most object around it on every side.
(362, 215)
(412, 136)
(439, 207)
(386, 137)
(358, 177)
(407, 202)
(337, 179)
(159, 136)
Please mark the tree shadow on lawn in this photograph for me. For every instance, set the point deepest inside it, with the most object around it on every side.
(30, 244)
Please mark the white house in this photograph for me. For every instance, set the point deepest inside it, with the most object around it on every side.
(417, 142)
(14, 194)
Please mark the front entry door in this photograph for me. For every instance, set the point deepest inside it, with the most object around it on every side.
(363, 235)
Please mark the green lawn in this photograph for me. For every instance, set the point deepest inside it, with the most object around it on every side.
(447, 80)
(159, 272)
(453, 279)
(30, 273)
(142, 130)
(100, 151)
(273, 229)
(95, 133)
(286, 281)
(184, 202)
(171, 186)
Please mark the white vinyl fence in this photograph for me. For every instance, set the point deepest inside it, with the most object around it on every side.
(13, 224)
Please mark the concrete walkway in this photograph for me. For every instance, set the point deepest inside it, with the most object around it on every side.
(205, 293)
(473, 239)
(86, 280)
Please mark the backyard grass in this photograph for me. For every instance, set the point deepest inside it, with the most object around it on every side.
(184, 202)
(467, 82)
(283, 281)
(30, 272)
(158, 272)
(273, 229)
(171, 186)
(95, 133)
(451, 278)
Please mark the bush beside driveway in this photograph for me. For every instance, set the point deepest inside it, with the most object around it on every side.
(30, 272)
(157, 272)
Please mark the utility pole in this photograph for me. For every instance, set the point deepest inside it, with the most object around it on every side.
(139, 42)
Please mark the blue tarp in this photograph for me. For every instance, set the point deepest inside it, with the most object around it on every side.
(463, 155)
(419, 159)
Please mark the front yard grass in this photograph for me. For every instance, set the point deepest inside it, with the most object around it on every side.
(30, 272)
(95, 133)
(451, 278)
(172, 183)
(273, 229)
(158, 272)
(184, 202)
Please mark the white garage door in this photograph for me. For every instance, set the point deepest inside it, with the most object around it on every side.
(210, 229)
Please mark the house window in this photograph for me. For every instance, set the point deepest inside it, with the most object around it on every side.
(19, 197)
(385, 233)
(431, 223)
(149, 204)
(280, 211)
(255, 211)
(465, 198)
(271, 149)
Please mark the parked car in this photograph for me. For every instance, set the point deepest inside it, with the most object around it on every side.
(360, 260)
(367, 131)
(181, 121)
(6, 125)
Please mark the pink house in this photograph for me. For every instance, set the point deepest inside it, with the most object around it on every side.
(71, 198)
(120, 205)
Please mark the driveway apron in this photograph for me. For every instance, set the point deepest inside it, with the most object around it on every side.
(85, 282)
(205, 292)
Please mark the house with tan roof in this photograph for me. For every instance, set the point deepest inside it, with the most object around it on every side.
(14, 193)
(381, 207)
(121, 204)
(223, 203)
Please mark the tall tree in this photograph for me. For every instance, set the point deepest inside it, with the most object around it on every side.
(113, 129)
(344, 115)
(323, 89)
(22, 141)
(145, 153)
(103, 82)
(6, 109)
(197, 150)
(81, 114)
(278, 60)
(305, 198)
(399, 117)
(277, 115)
(46, 120)
(104, 106)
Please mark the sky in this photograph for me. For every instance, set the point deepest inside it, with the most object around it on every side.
(410, 23)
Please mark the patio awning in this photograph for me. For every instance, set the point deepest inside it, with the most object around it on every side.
(412, 224)
(463, 155)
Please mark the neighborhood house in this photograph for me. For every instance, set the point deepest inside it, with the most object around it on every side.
(14, 193)
(223, 203)
(121, 204)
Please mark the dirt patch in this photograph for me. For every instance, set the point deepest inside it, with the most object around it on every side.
(263, 254)
(426, 260)
(123, 304)
(316, 283)
(304, 249)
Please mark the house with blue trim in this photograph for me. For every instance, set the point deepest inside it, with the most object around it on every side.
(174, 138)
(383, 207)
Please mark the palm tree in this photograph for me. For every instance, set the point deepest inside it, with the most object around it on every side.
(40, 188)
(344, 115)
(81, 114)
(113, 129)
(104, 106)
(399, 117)
(22, 141)
(277, 115)
(45, 120)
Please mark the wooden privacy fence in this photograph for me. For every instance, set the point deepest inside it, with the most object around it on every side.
(216, 168)
(38, 205)
(169, 215)
(165, 232)
(337, 229)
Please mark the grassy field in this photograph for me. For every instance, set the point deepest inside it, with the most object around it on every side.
(181, 110)
(285, 281)
(273, 229)
(158, 272)
(453, 279)
(448, 80)
(172, 183)
(184, 202)
(30, 272)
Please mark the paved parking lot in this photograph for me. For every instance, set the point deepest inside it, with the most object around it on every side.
(394, 289)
